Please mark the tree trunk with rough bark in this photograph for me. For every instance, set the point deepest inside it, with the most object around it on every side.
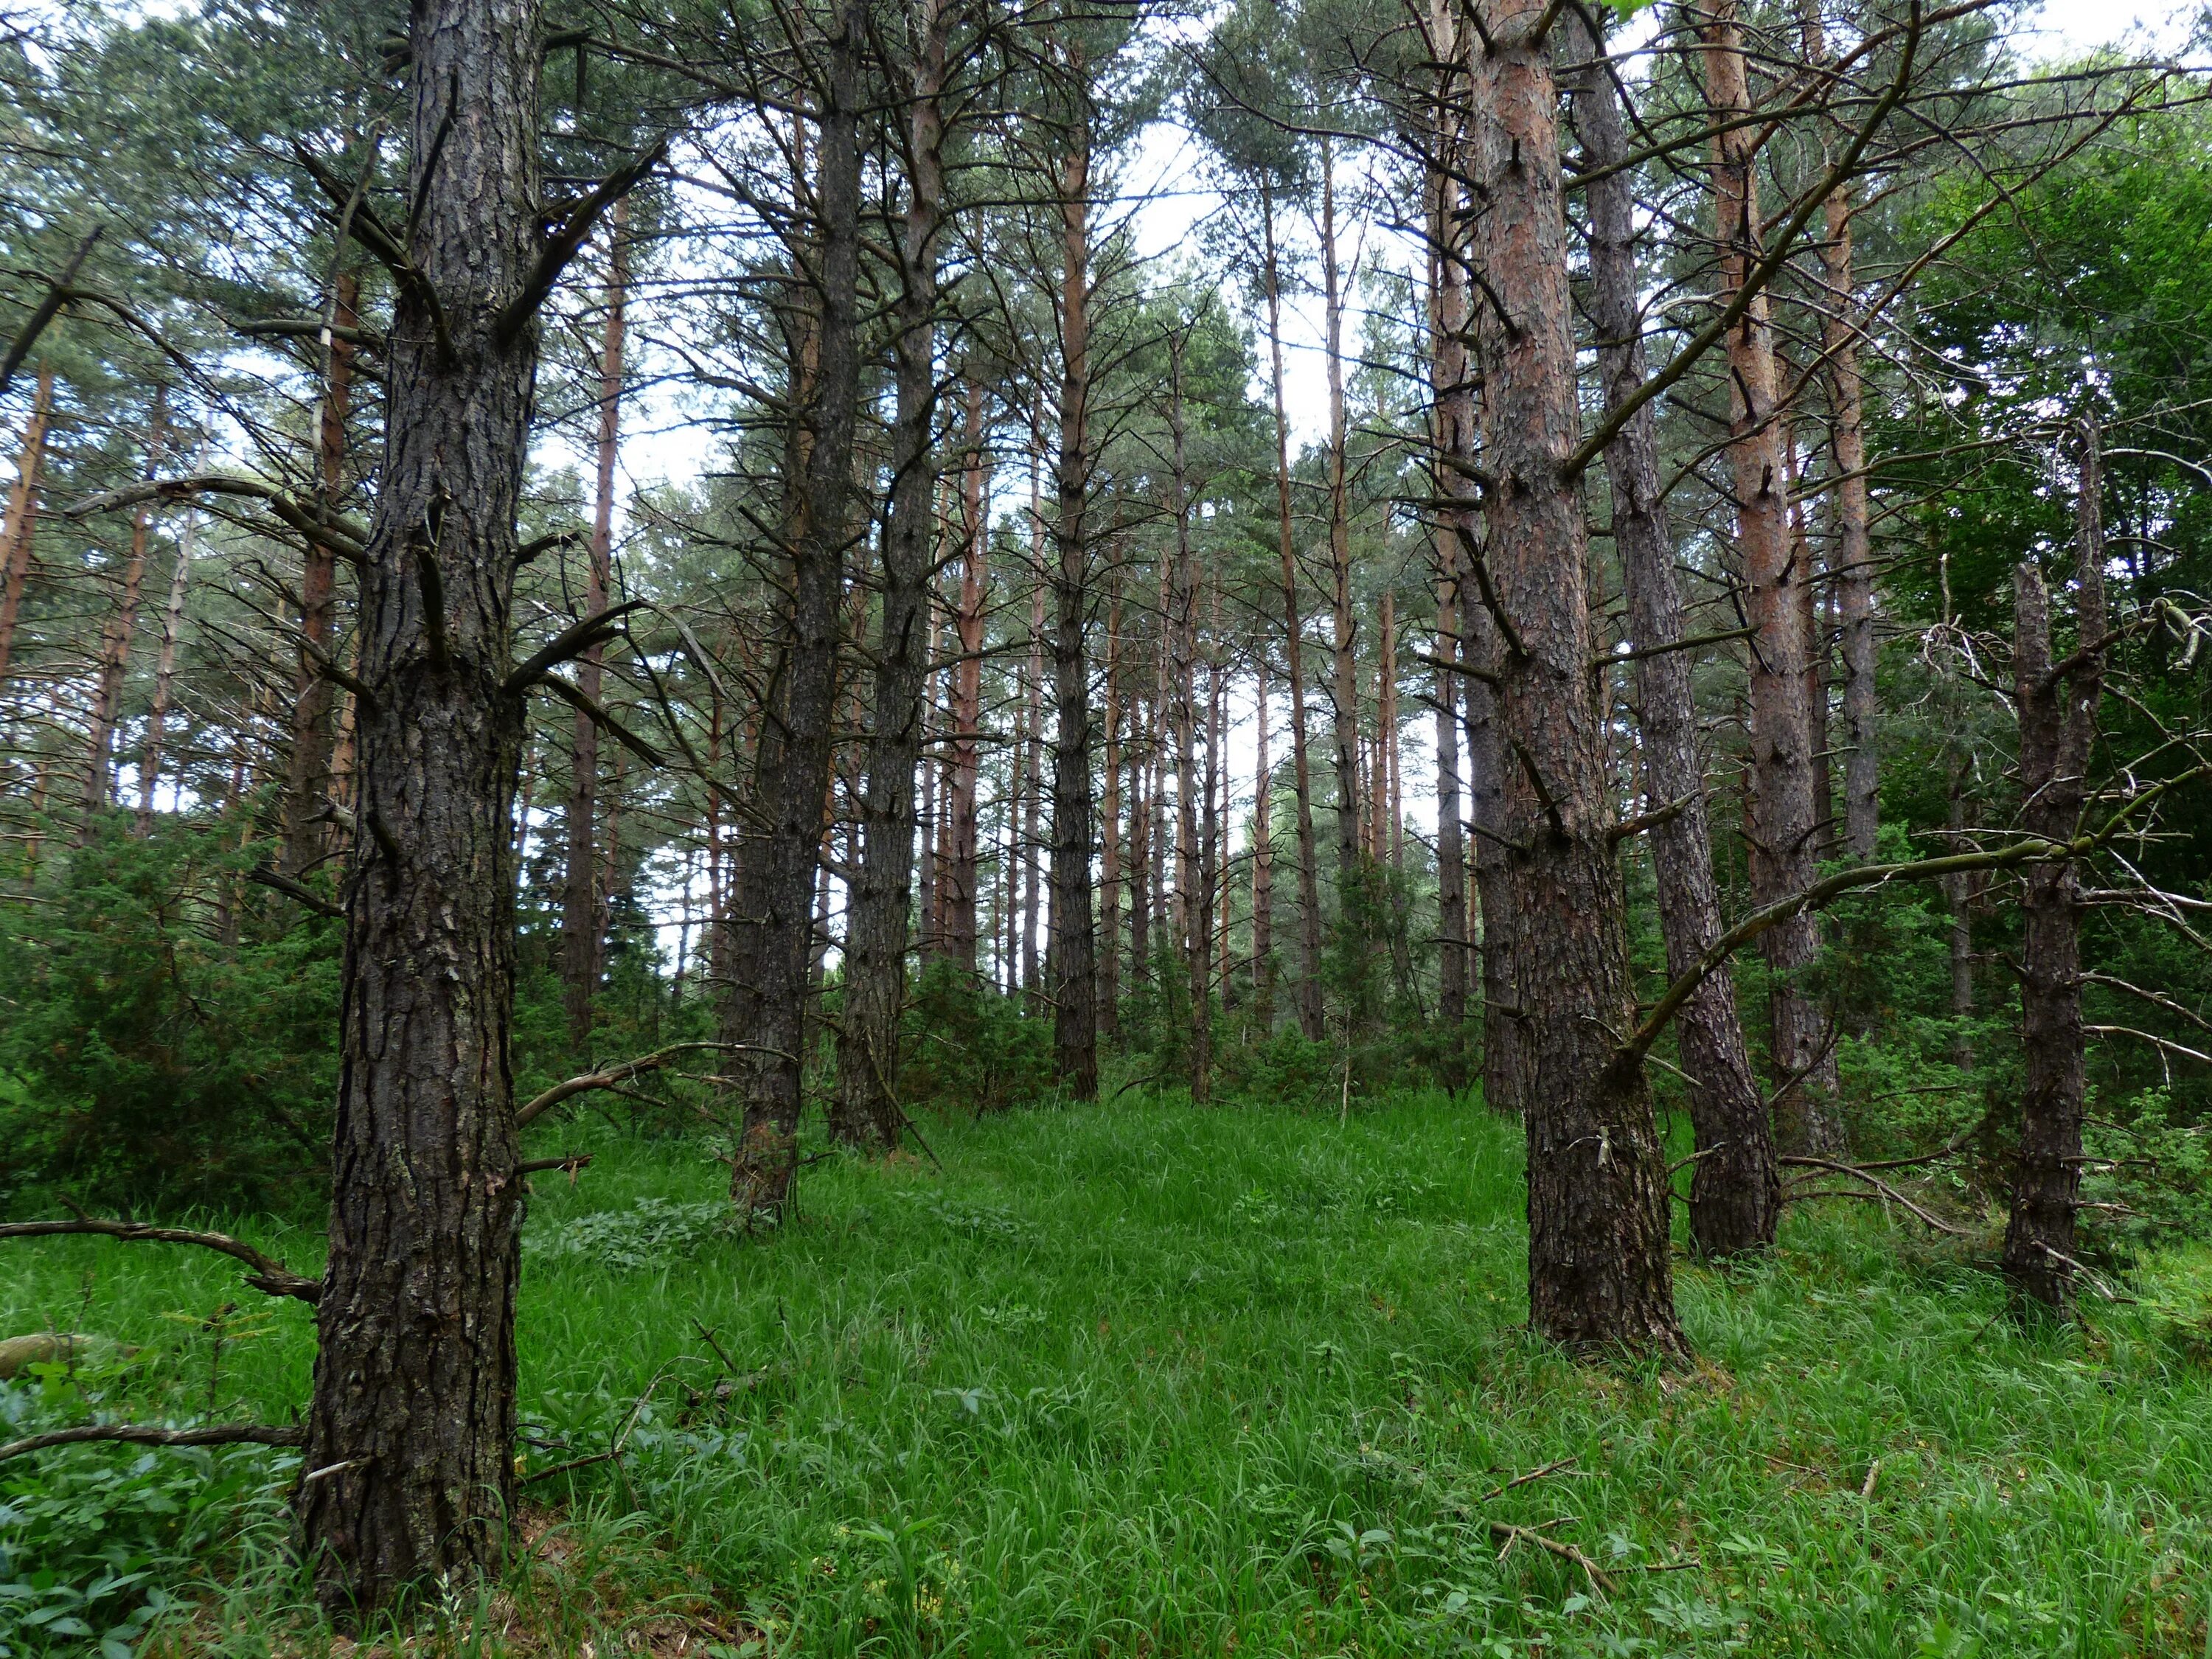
(411, 1433)
(772, 920)
(23, 515)
(1109, 827)
(1736, 1195)
(1074, 967)
(866, 1109)
(1599, 1276)
(1785, 823)
(963, 848)
(1852, 573)
(1308, 1001)
(582, 931)
(165, 674)
(1263, 857)
(308, 782)
(1032, 742)
(1351, 882)
(2057, 730)
(121, 628)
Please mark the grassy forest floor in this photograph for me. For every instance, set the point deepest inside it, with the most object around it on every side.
(1141, 1379)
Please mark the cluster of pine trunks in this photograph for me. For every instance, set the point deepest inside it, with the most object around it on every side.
(411, 1433)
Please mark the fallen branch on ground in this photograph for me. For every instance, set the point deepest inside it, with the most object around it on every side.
(269, 1275)
(1882, 1189)
(141, 1434)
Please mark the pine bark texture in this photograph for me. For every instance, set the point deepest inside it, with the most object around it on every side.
(1599, 1275)
(1308, 1000)
(583, 910)
(866, 1111)
(23, 515)
(410, 1431)
(2058, 729)
(1785, 821)
(1074, 969)
(165, 671)
(308, 780)
(122, 627)
(771, 925)
(963, 846)
(1736, 1195)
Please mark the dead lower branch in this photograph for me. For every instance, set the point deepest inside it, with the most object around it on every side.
(268, 1276)
(142, 1434)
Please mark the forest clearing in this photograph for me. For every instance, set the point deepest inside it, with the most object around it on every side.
(1105, 827)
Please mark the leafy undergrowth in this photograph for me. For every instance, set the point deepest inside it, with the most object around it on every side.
(1140, 1379)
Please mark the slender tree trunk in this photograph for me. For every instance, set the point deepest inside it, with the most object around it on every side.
(2058, 729)
(963, 851)
(1032, 745)
(411, 1429)
(1958, 895)
(1598, 1269)
(932, 874)
(867, 1111)
(772, 924)
(1805, 566)
(1785, 823)
(115, 642)
(1736, 1195)
(582, 939)
(1074, 977)
(1141, 850)
(1308, 1000)
(1263, 855)
(23, 515)
(1345, 685)
(1390, 840)
(1181, 612)
(165, 674)
(1110, 825)
(1452, 437)
(1206, 933)
(308, 783)
(1853, 572)
(1506, 1056)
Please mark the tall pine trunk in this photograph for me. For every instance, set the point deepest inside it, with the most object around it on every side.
(1263, 854)
(410, 1437)
(1344, 682)
(583, 928)
(1309, 999)
(1853, 571)
(308, 782)
(115, 643)
(1109, 827)
(1785, 823)
(1736, 1195)
(1074, 975)
(962, 843)
(866, 1111)
(165, 674)
(771, 924)
(22, 515)
(1598, 1269)
(2058, 729)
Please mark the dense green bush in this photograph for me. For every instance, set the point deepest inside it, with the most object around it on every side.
(144, 1057)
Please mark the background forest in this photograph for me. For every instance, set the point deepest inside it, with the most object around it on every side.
(749, 713)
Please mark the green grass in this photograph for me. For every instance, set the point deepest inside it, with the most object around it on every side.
(1141, 1379)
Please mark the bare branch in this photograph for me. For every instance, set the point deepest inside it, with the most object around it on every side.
(269, 1275)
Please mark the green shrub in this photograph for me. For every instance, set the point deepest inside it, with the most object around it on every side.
(147, 1061)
